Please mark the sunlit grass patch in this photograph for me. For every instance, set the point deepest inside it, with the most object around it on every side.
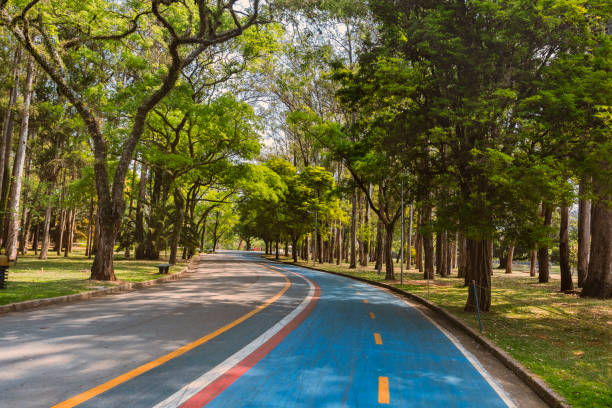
(32, 278)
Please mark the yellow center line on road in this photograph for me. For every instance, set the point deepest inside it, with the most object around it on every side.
(372, 316)
(89, 394)
(377, 338)
(383, 390)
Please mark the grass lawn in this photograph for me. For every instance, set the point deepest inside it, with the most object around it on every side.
(562, 338)
(32, 278)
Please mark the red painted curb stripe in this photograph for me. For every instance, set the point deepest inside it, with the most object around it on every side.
(220, 384)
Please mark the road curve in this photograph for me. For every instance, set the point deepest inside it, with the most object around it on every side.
(240, 332)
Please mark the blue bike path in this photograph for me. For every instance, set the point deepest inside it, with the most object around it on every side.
(363, 347)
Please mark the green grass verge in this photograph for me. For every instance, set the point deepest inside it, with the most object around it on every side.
(32, 278)
(564, 339)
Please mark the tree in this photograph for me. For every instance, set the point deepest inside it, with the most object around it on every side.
(454, 97)
(15, 194)
(181, 40)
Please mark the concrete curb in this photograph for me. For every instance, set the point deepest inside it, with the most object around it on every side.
(534, 382)
(35, 303)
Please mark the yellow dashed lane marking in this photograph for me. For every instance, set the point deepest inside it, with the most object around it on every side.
(372, 316)
(383, 390)
(377, 338)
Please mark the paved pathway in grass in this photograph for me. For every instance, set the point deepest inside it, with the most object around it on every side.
(240, 332)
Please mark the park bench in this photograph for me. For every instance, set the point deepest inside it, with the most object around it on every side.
(163, 268)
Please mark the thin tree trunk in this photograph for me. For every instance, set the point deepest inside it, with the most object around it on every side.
(409, 254)
(449, 255)
(388, 255)
(491, 248)
(68, 232)
(462, 257)
(439, 253)
(584, 235)
(139, 232)
(509, 258)
(60, 232)
(379, 245)
(532, 263)
(543, 264)
(15, 194)
(339, 245)
(89, 227)
(564, 252)
(443, 255)
(5, 139)
(353, 263)
(179, 203)
(428, 250)
(35, 239)
(598, 282)
(94, 226)
(44, 250)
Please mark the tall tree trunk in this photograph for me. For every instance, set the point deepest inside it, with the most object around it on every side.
(5, 139)
(277, 250)
(503, 259)
(419, 245)
(409, 244)
(361, 251)
(89, 227)
(44, 250)
(439, 253)
(35, 239)
(24, 236)
(564, 252)
(60, 231)
(428, 250)
(509, 258)
(366, 240)
(444, 255)
(449, 255)
(139, 232)
(584, 235)
(491, 249)
(532, 263)
(478, 270)
(69, 234)
(598, 282)
(353, 263)
(15, 194)
(215, 236)
(179, 203)
(462, 257)
(454, 247)
(294, 248)
(543, 264)
(94, 226)
(388, 255)
(379, 245)
(339, 245)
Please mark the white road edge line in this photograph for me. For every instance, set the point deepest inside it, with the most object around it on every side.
(469, 356)
(474, 361)
(189, 390)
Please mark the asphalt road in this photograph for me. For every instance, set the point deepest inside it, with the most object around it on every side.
(240, 332)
